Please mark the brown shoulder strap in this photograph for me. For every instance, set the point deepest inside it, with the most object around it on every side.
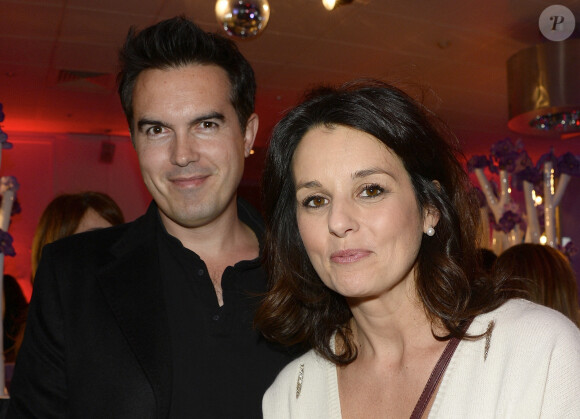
(434, 379)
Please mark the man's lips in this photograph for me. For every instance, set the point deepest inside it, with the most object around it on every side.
(349, 255)
(185, 181)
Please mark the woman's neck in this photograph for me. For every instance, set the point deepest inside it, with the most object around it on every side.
(389, 331)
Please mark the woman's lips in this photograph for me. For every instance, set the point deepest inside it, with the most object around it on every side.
(349, 255)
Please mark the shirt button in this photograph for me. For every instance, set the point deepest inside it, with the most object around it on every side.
(200, 272)
(215, 317)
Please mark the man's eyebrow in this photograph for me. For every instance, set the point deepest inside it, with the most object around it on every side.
(144, 121)
(211, 115)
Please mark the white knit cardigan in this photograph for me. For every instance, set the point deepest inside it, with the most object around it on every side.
(531, 370)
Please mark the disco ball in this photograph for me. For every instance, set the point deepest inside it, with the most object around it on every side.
(242, 19)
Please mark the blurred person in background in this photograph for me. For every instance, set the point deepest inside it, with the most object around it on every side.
(65, 215)
(69, 214)
(541, 274)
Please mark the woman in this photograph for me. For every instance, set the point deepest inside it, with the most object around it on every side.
(65, 215)
(372, 257)
(541, 274)
(69, 214)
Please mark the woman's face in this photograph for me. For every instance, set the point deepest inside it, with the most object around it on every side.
(357, 213)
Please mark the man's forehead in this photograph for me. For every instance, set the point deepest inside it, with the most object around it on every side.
(187, 71)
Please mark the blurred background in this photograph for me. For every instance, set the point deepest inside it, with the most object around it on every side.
(58, 64)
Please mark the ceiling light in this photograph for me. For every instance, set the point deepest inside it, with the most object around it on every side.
(242, 18)
(560, 121)
(333, 4)
(544, 89)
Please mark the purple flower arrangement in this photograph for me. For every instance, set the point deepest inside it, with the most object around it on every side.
(569, 250)
(508, 221)
(511, 159)
(505, 155)
(7, 183)
(6, 244)
(3, 135)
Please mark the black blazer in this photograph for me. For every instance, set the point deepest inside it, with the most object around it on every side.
(96, 342)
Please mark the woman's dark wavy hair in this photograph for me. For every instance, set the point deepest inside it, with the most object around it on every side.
(178, 42)
(299, 309)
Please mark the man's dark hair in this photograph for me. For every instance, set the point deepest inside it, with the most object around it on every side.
(178, 42)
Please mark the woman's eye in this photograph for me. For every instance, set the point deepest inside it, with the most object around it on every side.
(371, 191)
(314, 202)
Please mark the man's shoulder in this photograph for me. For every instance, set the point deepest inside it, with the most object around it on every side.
(100, 238)
(102, 241)
(82, 255)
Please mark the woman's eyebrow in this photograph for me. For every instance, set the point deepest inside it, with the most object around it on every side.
(369, 172)
(309, 185)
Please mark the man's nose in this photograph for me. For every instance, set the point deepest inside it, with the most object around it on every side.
(185, 150)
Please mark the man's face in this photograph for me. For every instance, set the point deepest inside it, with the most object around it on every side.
(190, 146)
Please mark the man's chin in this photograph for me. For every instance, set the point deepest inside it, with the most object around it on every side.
(190, 217)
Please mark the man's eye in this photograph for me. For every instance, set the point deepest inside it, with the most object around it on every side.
(155, 130)
(372, 191)
(315, 202)
(208, 124)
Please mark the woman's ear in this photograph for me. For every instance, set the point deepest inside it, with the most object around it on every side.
(431, 214)
(437, 184)
(431, 217)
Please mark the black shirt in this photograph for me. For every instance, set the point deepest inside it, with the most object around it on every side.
(221, 365)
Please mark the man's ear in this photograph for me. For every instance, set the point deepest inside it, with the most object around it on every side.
(250, 135)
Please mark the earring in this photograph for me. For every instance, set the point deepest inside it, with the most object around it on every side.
(430, 232)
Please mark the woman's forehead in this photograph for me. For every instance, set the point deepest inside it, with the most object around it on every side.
(342, 149)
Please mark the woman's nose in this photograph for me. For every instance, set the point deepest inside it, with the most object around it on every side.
(342, 219)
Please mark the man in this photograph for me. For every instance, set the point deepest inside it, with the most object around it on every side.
(153, 319)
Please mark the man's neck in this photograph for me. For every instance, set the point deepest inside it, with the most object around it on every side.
(221, 243)
(224, 235)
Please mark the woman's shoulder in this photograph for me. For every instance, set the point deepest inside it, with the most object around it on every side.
(293, 373)
(305, 387)
(522, 319)
(526, 363)
(520, 311)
